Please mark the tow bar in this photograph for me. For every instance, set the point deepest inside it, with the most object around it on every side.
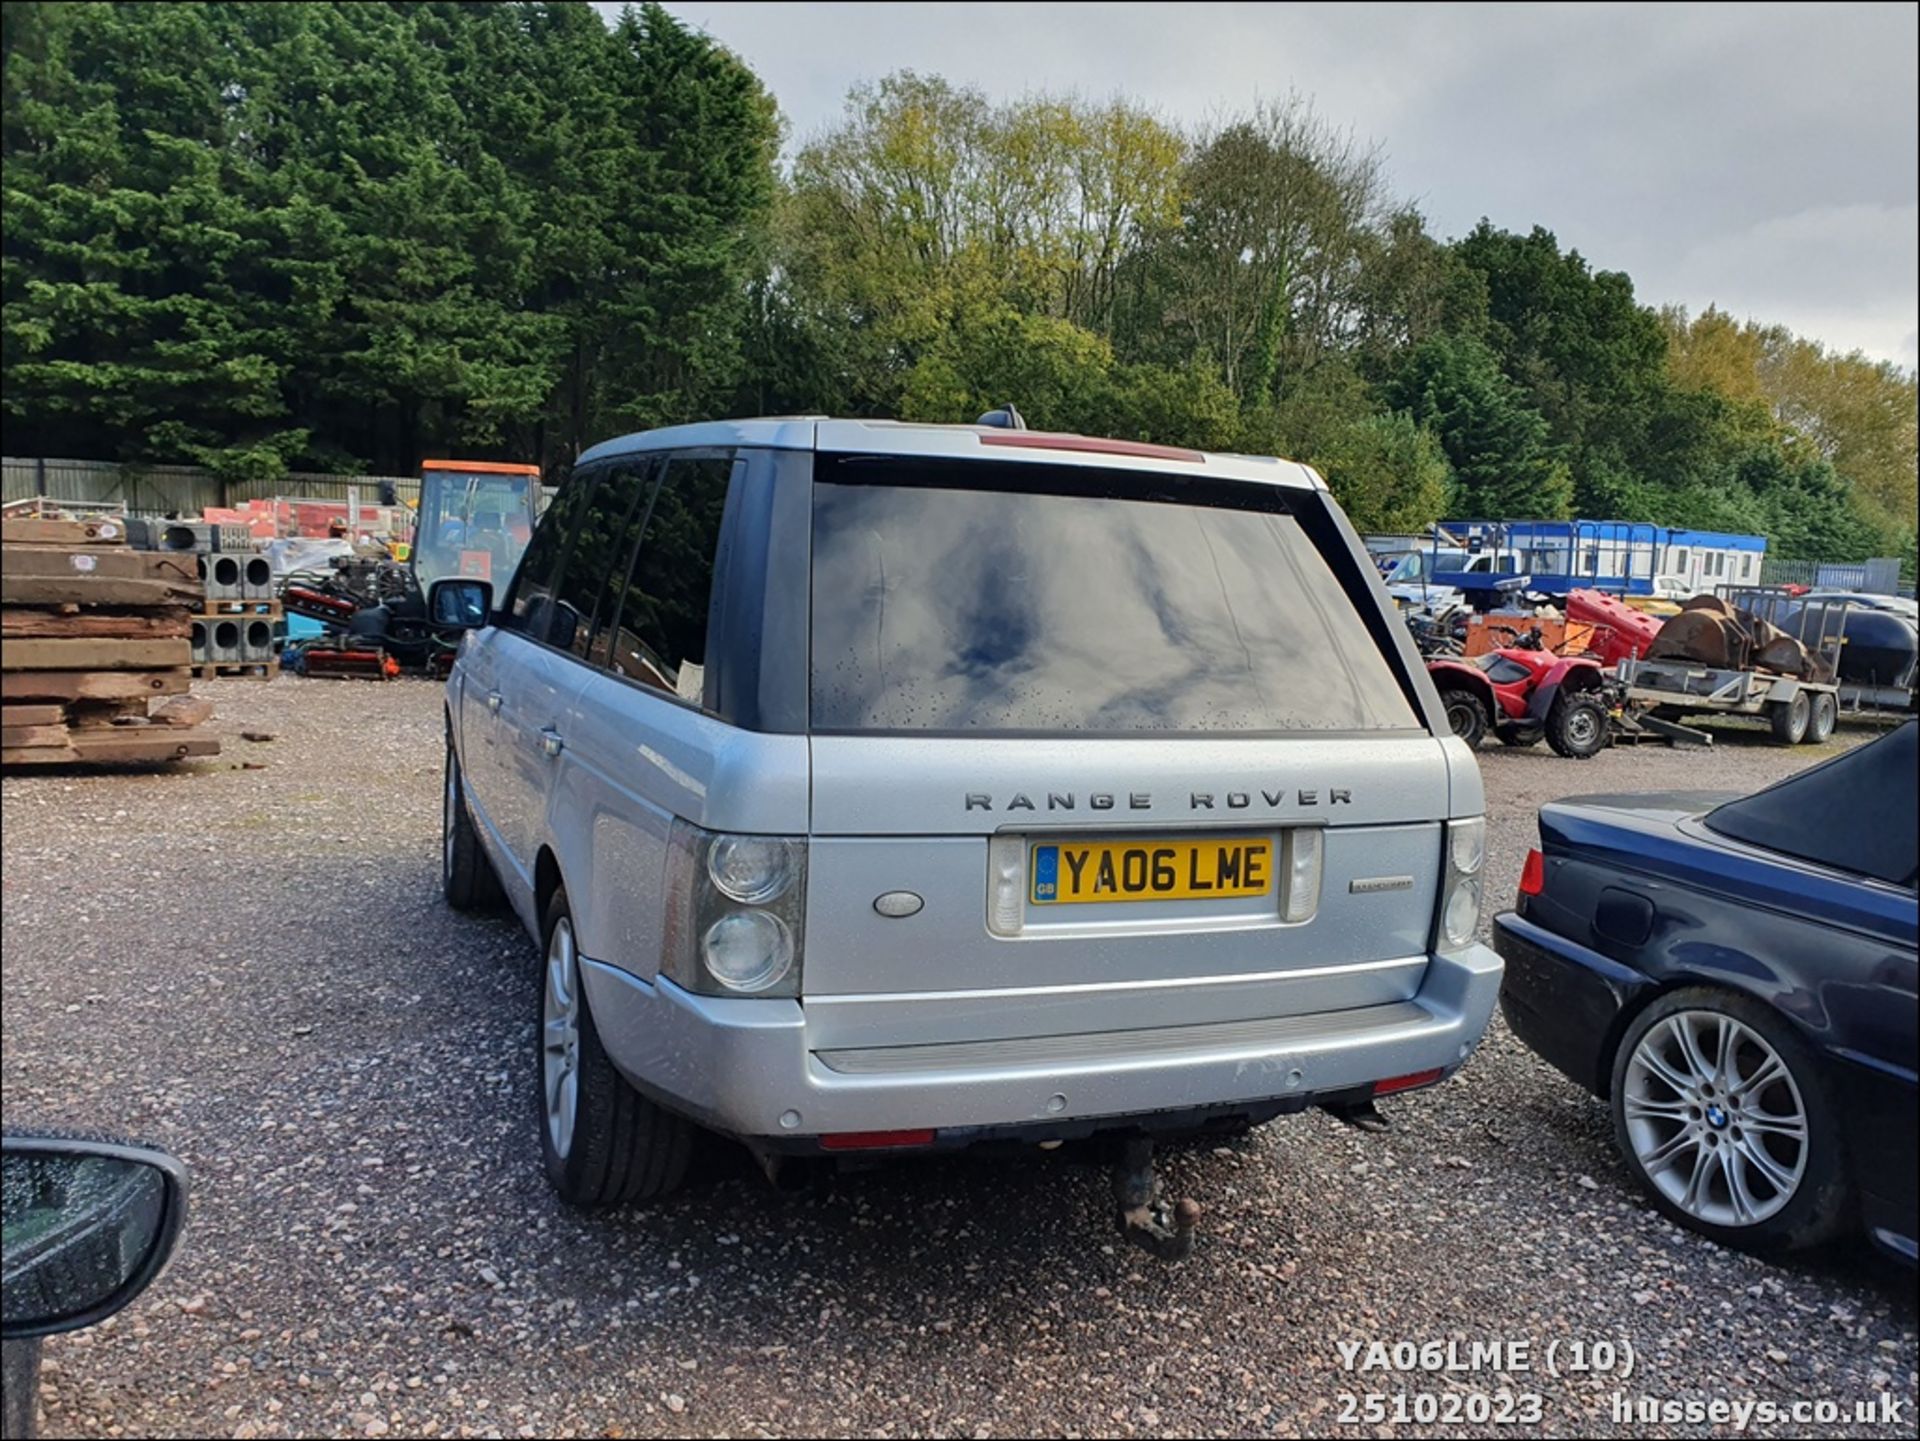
(1144, 1216)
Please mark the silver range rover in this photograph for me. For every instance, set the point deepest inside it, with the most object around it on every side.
(873, 786)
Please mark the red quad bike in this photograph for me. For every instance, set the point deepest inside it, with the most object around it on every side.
(1524, 691)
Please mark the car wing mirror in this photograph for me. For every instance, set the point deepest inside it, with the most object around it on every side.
(460, 602)
(85, 1226)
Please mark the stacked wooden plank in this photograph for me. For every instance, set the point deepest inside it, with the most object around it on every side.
(94, 647)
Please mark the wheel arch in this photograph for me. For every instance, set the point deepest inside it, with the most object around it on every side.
(546, 881)
(1698, 979)
(1451, 675)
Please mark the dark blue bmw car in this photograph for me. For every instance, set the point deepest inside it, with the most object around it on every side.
(1736, 977)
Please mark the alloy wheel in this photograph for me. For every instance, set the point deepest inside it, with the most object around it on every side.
(560, 1037)
(1715, 1118)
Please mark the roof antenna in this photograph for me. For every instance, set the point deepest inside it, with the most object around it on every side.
(1005, 418)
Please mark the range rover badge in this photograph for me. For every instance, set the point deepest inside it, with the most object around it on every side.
(898, 904)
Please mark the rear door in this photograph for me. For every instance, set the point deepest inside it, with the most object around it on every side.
(1128, 738)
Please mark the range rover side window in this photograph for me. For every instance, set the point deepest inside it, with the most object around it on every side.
(531, 606)
(596, 561)
(607, 610)
(660, 639)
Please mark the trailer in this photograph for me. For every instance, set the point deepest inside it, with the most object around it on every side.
(1798, 710)
(1797, 707)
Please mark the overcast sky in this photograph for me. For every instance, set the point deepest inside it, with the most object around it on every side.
(1762, 158)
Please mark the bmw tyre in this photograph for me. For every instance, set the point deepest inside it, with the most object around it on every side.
(604, 1143)
(1723, 1121)
(467, 877)
(1465, 715)
(1577, 726)
(1821, 718)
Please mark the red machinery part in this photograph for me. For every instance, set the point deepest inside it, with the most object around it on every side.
(1620, 631)
(329, 606)
(372, 664)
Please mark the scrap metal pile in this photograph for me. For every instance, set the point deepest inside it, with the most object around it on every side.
(1715, 632)
(376, 620)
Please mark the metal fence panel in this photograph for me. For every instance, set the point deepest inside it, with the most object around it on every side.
(1880, 576)
(165, 489)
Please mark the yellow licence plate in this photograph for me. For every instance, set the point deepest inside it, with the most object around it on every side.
(1150, 870)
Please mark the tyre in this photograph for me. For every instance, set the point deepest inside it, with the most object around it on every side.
(1577, 726)
(467, 877)
(603, 1142)
(1725, 1123)
(1821, 719)
(1465, 714)
(1789, 718)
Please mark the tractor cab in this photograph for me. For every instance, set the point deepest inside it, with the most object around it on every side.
(475, 520)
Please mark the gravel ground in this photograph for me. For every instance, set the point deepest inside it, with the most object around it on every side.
(253, 968)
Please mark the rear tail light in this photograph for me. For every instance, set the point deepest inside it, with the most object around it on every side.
(737, 910)
(1466, 856)
(1411, 1082)
(1089, 444)
(874, 1140)
(1533, 875)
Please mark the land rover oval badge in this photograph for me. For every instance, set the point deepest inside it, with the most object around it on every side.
(898, 904)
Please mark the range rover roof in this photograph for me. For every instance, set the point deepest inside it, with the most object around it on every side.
(971, 442)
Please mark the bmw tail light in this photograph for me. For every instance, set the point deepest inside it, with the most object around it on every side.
(1533, 875)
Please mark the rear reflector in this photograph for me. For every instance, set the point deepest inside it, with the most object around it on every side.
(1050, 440)
(1533, 875)
(1407, 1083)
(874, 1140)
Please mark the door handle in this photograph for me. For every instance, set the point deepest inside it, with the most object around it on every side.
(493, 701)
(550, 741)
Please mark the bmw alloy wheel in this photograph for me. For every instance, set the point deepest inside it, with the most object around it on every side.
(560, 1037)
(1715, 1118)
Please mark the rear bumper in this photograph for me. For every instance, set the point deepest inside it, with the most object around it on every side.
(746, 1066)
(1561, 999)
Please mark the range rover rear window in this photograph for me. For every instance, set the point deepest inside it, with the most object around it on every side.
(981, 598)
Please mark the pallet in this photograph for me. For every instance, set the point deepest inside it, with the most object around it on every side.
(147, 745)
(214, 608)
(236, 670)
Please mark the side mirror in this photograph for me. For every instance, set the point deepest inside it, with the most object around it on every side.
(84, 1227)
(460, 602)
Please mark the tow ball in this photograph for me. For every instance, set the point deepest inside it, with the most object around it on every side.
(1144, 1216)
